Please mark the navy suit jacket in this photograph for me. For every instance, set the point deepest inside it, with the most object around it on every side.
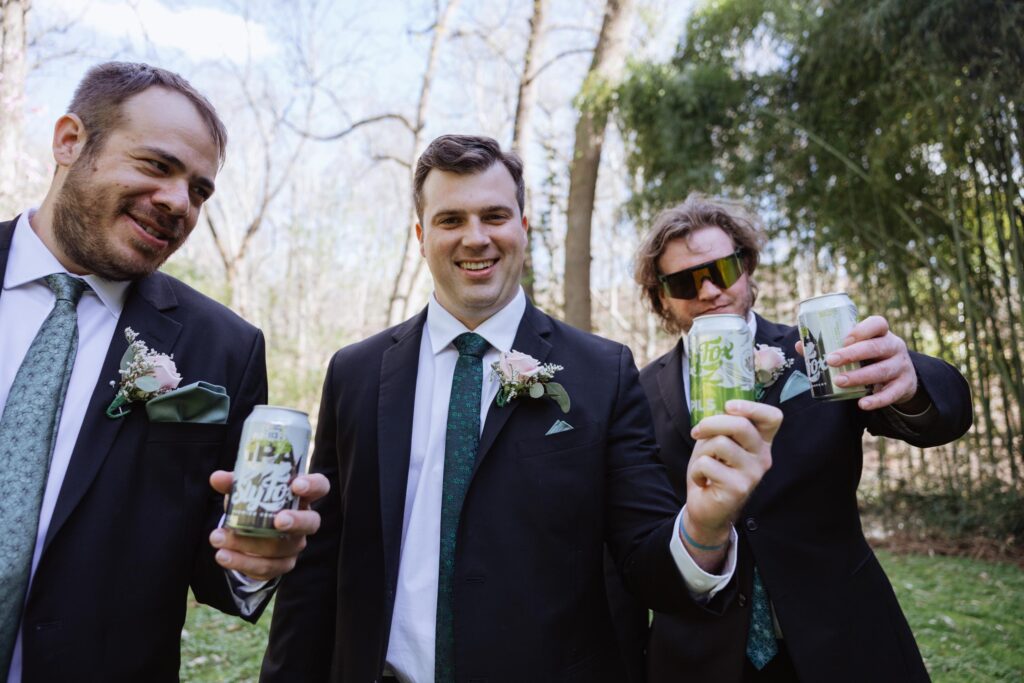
(529, 577)
(129, 531)
(836, 608)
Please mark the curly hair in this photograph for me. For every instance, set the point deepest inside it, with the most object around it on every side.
(679, 222)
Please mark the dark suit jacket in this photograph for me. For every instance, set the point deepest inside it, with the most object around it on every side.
(529, 578)
(129, 532)
(837, 610)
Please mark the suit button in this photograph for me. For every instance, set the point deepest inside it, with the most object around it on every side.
(742, 600)
(751, 524)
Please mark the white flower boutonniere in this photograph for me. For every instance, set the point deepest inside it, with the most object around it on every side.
(145, 374)
(769, 364)
(521, 374)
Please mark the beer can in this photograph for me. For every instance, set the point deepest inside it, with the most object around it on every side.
(272, 451)
(824, 323)
(721, 357)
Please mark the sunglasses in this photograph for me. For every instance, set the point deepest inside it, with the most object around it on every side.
(685, 284)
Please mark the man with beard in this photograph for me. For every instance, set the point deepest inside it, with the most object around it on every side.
(109, 516)
(809, 601)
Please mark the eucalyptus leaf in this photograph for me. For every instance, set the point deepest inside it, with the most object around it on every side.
(147, 383)
(536, 390)
(128, 357)
(559, 394)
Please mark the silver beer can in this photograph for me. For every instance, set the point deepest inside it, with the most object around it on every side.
(272, 452)
(825, 321)
(721, 358)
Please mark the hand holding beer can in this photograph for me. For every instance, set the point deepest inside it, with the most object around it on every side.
(825, 321)
(721, 358)
(272, 452)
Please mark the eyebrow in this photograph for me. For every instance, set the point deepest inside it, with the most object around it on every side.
(179, 165)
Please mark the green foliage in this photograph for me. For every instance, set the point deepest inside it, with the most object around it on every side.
(967, 615)
(217, 648)
(881, 137)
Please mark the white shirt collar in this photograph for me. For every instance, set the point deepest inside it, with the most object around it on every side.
(29, 260)
(499, 330)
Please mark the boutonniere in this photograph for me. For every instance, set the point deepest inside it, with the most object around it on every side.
(769, 364)
(520, 374)
(145, 374)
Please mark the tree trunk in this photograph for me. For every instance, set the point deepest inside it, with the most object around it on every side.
(13, 15)
(410, 265)
(525, 102)
(605, 72)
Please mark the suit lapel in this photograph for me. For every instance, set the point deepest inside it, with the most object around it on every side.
(395, 404)
(673, 395)
(98, 435)
(771, 334)
(530, 339)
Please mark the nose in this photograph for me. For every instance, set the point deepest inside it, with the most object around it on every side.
(172, 197)
(708, 291)
(475, 235)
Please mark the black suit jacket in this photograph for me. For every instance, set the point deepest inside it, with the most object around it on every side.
(129, 531)
(836, 608)
(529, 579)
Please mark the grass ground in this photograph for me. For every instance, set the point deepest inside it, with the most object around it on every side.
(967, 615)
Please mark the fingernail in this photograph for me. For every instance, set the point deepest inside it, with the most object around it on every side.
(695, 433)
(848, 341)
(300, 486)
(833, 358)
(731, 405)
(284, 521)
(217, 538)
(841, 380)
(223, 556)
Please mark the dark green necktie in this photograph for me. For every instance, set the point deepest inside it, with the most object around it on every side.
(460, 445)
(28, 430)
(761, 643)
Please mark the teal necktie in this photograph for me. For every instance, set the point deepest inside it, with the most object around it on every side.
(28, 430)
(761, 643)
(460, 445)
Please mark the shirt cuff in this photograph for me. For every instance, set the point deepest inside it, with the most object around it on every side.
(702, 585)
(248, 593)
(921, 419)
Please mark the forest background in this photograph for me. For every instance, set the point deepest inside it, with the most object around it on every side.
(880, 140)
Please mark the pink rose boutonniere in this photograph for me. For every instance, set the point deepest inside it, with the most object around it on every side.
(145, 374)
(521, 374)
(769, 364)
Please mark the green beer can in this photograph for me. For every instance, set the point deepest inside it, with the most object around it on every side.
(721, 357)
(824, 322)
(272, 452)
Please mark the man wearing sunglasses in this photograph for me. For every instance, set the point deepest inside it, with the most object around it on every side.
(820, 607)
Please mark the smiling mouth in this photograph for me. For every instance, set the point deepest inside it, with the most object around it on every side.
(477, 265)
(152, 229)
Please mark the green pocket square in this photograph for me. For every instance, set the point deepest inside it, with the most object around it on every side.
(196, 402)
(794, 386)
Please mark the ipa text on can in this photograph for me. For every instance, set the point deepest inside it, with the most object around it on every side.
(824, 323)
(721, 358)
(272, 451)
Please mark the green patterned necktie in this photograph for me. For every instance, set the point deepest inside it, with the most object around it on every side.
(761, 643)
(28, 430)
(460, 445)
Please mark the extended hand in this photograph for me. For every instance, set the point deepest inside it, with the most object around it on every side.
(267, 558)
(887, 364)
(732, 453)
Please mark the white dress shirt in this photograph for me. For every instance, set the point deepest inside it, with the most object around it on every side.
(25, 303)
(410, 655)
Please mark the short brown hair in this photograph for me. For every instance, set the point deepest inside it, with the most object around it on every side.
(465, 154)
(105, 87)
(678, 222)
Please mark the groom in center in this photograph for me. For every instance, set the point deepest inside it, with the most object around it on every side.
(463, 537)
